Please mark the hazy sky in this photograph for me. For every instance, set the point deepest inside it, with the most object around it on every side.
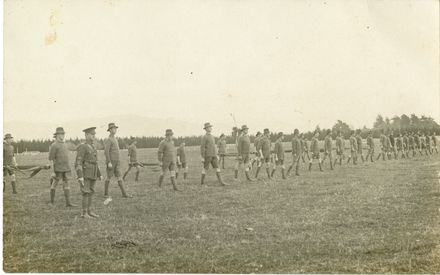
(278, 64)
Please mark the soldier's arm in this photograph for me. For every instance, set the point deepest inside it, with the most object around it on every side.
(79, 161)
(107, 145)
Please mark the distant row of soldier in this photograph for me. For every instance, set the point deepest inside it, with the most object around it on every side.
(212, 155)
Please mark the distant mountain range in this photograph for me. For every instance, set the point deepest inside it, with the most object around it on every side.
(130, 125)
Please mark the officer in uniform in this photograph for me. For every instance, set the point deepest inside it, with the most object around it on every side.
(359, 145)
(305, 148)
(417, 142)
(383, 141)
(370, 146)
(328, 148)
(279, 155)
(399, 145)
(353, 148)
(221, 145)
(59, 156)
(9, 162)
(167, 158)
(428, 144)
(208, 155)
(314, 147)
(181, 161)
(132, 160)
(111, 151)
(244, 151)
(339, 148)
(265, 145)
(257, 149)
(434, 142)
(411, 144)
(296, 152)
(87, 171)
(405, 144)
(423, 146)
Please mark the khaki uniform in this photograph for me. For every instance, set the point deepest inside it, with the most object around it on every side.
(59, 154)
(8, 164)
(244, 148)
(279, 153)
(166, 155)
(111, 151)
(181, 156)
(207, 150)
(221, 145)
(265, 146)
(359, 144)
(86, 166)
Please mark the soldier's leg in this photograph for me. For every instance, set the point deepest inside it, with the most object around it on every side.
(110, 174)
(172, 168)
(13, 183)
(53, 186)
(66, 189)
(162, 173)
(138, 171)
(85, 192)
(205, 167)
(319, 162)
(127, 171)
(310, 164)
(90, 197)
(283, 169)
(330, 157)
(297, 166)
(117, 173)
(259, 164)
(236, 167)
(214, 165)
(267, 163)
(185, 170)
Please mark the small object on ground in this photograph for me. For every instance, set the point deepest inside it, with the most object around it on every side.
(123, 244)
(107, 200)
(249, 229)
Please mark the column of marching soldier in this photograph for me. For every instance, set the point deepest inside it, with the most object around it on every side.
(213, 154)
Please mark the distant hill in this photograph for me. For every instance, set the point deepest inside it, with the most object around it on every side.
(130, 125)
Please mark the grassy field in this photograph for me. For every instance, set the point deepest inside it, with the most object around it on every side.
(375, 217)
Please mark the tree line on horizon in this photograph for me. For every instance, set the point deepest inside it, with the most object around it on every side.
(397, 124)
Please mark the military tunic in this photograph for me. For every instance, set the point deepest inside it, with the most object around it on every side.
(111, 151)
(279, 152)
(207, 151)
(339, 146)
(221, 147)
(359, 144)
(166, 155)
(296, 148)
(244, 147)
(86, 166)
(266, 145)
(8, 159)
(370, 144)
(314, 148)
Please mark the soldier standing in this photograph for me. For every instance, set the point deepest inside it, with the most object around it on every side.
(434, 142)
(221, 145)
(87, 171)
(244, 151)
(208, 156)
(423, 146)
(296, 152)
(411, 144)
(314, 147)
(383, 141)
(9, 162)
(132, 160)
(181, 161)
(370, 146)
(353, 149)
(399, 145)
(417, 142)
(305, 148)
(279, 155)
(405, 144)
(359, 145)
(265, 152)
(257, 149)
(111, 151)
(428, 143)
(328, 148)
(59, 156)
(339, 148)
(393, 145)
(167, 158)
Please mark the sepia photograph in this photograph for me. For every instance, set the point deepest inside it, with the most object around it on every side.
(221, 136)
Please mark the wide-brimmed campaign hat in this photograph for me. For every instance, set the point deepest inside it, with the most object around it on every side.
(266, 131)
(59, 130)
(207, 125)
(244, 127)
(90, 130)
(111, 125)
(169, 132)
(8, 136)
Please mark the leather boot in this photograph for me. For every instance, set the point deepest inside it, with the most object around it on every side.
(248, 176)
(137, 177)
(258, 171)
(310, 166)
(14, 189)
(125, 175)
(348, 161)
(177, 175)
(173, 182)
(160, 180)
(219, 177)
(297, 171)
(331, 165)
(67, 197)
(362, 157)
(185, 175)
(268, 173)
(340, 162)
(320, 166)
(52, 196)
(121, 186)
(334, 163)
(283, 174)
(288, 170)
(106, 185)
(273, 173)
(236, 174)
(203, 179)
